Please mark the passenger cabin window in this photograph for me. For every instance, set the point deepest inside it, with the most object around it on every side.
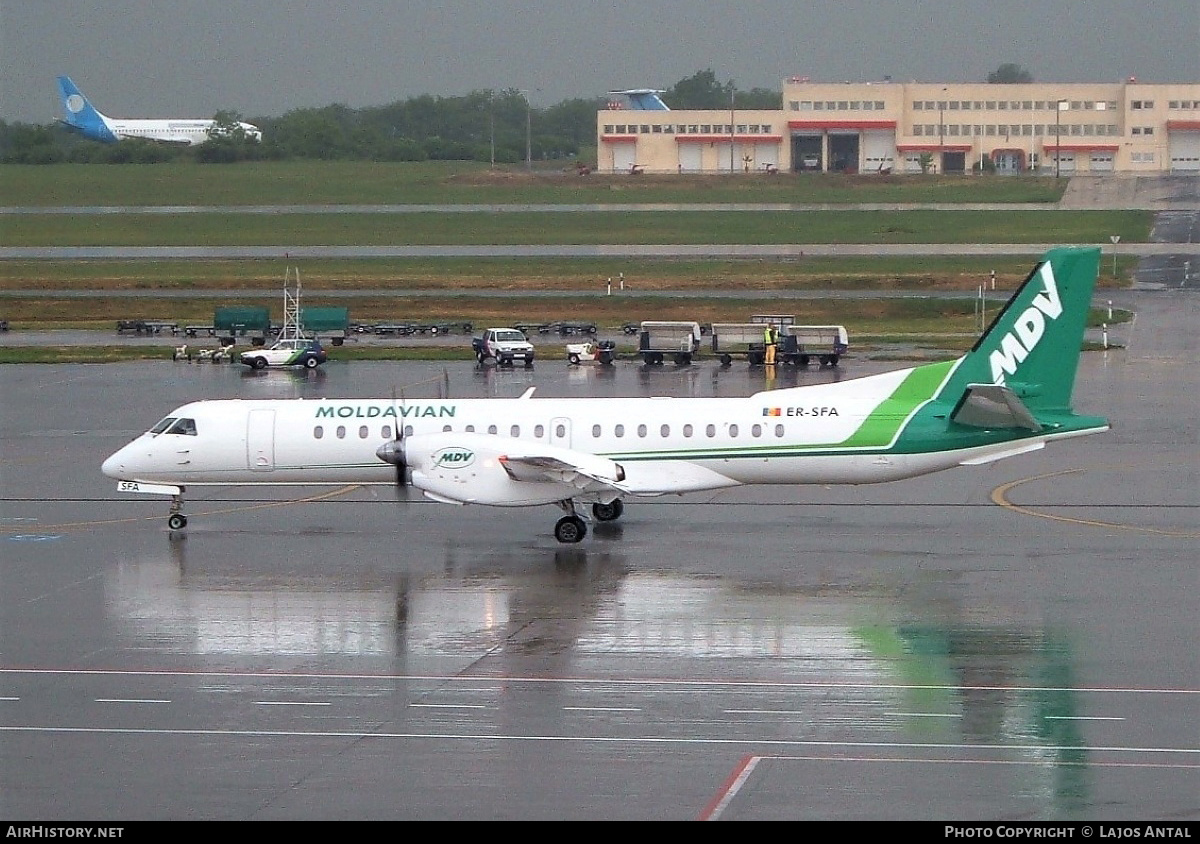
(386, 433)
(733, 430)
(641, 430)
(514, 431)
(362, 432)
(319, 432)
(618, 430)
(596, 431)
(540, 430)
(341, 432)
(492, 429)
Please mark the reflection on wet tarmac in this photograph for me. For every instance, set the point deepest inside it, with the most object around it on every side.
(811, 662)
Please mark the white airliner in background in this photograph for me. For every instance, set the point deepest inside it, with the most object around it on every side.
(80, 116)
(1010, 394)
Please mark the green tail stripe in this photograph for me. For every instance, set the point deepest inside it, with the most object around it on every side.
(883, 426)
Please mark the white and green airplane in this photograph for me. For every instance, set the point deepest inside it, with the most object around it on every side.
(1010, 394)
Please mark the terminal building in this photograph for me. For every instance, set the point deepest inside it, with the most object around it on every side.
(891, 127)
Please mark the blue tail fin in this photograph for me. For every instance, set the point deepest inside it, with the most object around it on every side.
(80, 116)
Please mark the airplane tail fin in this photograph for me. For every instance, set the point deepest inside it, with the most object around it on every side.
(1031, 350)
(79, 114)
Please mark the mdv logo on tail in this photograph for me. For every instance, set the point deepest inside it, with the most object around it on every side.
(1030, 327)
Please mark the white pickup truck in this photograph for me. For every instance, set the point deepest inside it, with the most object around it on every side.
(504, 346)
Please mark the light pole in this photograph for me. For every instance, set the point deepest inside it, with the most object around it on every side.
(731, 92)
(942, 133)
(528, 133)
(1058, 107)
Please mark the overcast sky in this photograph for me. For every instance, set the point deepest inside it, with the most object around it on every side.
(191, 58)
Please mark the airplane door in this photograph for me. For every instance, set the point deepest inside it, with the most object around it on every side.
(560, 431)
(260, 440)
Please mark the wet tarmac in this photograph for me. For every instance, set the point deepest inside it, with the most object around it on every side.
(1013, 642)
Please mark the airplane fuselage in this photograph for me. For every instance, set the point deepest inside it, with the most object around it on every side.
(821, 434)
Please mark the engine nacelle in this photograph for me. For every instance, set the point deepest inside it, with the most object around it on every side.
(486, 469)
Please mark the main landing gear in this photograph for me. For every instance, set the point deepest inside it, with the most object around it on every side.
(176, 520)
(572, 528)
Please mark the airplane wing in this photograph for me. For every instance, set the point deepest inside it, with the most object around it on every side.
(545, 468)
(487, 469)
(993, 406)
(167, 142)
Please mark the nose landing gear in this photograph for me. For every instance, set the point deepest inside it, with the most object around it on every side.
(176, 520)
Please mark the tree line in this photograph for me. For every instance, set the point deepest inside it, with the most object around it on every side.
(486, 126)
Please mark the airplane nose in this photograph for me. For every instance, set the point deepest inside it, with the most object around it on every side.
(114, 465)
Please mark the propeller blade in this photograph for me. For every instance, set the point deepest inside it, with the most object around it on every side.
(393, 452)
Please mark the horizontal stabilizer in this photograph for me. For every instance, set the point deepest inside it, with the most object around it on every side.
(993, 406)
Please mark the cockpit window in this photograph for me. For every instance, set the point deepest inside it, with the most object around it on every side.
(163, 425)
(184, 426)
